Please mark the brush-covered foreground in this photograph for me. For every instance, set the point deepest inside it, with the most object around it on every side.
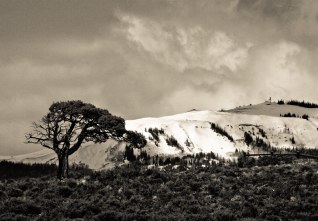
(273, 192)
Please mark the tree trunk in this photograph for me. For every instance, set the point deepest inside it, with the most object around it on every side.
(65, 169)
(60, 167)
(62, 170)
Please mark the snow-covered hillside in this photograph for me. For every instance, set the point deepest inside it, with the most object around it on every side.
(274, 109)
(193, 133)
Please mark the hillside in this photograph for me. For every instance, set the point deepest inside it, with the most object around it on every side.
(192, 134)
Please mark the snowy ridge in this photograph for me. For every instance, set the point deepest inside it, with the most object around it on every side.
(275, 110)
(193, 132)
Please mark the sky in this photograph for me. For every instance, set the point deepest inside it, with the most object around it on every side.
(149, 58)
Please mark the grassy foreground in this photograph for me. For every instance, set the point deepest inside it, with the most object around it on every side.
(281, 192)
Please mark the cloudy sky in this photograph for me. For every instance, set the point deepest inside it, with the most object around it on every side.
(140, 58)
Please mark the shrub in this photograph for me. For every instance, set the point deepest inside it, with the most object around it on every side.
(288, 115)
(71, 183)
(80, 209)
(261, 143)
(292, 140)
(13, 217)
(18, 206)
(3, 195)
(262, 132)
(248, 139)
(305, 116)
(249, 210)
(109, 215)
(224, 215)
(129, 153)
(214, 189)
(65, 191)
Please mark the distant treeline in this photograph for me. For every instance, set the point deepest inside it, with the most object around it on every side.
(303, 150)
(170, 140)
(155, 133)
(14, 170)
(299, 103)
(304, 116)
(258, 142)
(278, 157)
(11, 170)
(216, 128)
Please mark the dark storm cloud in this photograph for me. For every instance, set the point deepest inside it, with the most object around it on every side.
(151, 57)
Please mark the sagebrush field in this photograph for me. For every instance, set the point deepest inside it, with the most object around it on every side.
(273, 192)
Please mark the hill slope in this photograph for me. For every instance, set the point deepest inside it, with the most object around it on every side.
(274, 109)
(193, 134)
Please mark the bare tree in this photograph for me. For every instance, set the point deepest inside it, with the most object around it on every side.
(69, 124)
